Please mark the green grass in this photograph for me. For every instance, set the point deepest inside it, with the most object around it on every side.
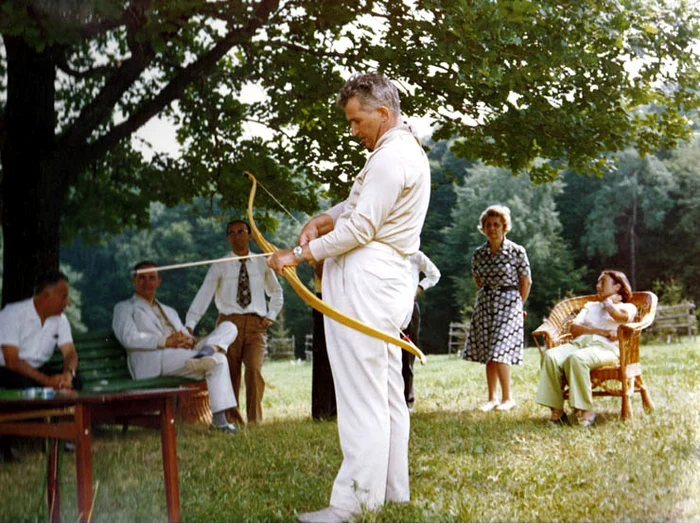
(465, 465)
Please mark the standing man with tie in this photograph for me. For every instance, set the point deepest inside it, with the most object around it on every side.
(365, 242)
(239, 289)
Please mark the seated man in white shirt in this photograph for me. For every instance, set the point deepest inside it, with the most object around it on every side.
(30, 331)
(158, 344)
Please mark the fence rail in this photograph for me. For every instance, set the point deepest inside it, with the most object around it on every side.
(672, 321)
(457, 338)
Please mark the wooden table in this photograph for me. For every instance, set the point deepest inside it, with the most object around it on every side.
(71, 415)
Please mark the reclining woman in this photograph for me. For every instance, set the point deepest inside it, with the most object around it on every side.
(594, 345)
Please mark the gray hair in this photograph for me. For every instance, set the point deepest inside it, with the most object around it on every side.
(372, 91)
(499, 211)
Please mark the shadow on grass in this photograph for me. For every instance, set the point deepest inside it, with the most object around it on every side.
(465, 465)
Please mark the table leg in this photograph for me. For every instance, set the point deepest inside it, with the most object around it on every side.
(169, 445)
(52, 490)
(83, 462)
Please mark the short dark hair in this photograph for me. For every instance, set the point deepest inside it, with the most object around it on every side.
(233, 222)
(142, 264)
(48, 279)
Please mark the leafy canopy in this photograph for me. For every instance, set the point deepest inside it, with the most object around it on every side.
(516, 81)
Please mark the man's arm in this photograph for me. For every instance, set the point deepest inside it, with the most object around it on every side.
(202, 299)
(127, 332)
(274, 291)
(579, 329)
(70, 362)
(14, 363)
(431, 274)
(381, 187)
(319, 225)
(129, 335)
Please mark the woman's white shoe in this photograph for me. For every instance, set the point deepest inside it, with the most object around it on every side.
(506, 405)
(488, 407)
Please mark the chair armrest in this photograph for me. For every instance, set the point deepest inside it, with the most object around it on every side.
(547, 331)
(551, 336)
(628, 338)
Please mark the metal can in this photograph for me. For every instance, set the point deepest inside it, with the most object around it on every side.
(47, 393)
(32, 392)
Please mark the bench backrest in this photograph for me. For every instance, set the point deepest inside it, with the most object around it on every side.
(103, 367)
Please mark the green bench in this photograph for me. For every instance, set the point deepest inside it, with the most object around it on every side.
(102, 365)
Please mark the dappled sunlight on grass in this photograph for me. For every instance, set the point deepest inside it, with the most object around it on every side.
(465, 465)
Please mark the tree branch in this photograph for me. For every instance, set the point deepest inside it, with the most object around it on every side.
(95, 72)
(312, 52)
(117, 84)
(170, 92)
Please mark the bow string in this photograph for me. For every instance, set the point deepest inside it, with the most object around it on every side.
(312, 300)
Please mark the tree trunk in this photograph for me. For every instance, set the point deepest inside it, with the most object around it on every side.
(30, 190)
(633, 232)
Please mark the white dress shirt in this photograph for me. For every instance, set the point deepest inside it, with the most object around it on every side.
(221, 283)
(594, 315)
(390, 210)
(420, 263)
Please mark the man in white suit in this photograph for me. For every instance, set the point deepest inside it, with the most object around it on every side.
(366, 242)
(158, 344)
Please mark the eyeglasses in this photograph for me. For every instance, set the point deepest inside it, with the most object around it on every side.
(239, 231)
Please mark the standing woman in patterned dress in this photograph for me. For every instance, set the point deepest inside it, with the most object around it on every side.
(501, 272)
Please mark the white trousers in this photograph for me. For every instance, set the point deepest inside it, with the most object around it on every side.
(373, 420)
(221, 395)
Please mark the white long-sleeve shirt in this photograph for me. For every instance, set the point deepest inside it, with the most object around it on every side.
(221, 283)
(420, 263)
(390, 210)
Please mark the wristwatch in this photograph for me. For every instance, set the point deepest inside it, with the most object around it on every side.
(298, 253)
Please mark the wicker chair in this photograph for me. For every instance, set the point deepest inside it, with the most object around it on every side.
(621, 380)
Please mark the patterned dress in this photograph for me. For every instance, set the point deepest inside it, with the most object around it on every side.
(497, 331)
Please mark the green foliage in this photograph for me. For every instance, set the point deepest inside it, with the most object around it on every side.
(182, 234)
(549, 79)
(635, 195)
(517, 82)
(669, 292)
(535, 225)
(542, 79)
(640, 218)
(173, 236)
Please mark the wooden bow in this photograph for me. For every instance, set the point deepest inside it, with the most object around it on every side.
(312, 300)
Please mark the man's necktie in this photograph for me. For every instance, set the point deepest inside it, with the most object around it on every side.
(243, 297)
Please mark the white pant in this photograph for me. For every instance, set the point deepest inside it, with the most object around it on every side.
(373, 420)
(221, 395)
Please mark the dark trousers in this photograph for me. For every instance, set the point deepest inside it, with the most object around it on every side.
(12, 380)
(407, 359)
(323, 404)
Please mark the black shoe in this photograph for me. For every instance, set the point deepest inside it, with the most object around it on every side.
(205, 351)
(9, 455)
(563, 420)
